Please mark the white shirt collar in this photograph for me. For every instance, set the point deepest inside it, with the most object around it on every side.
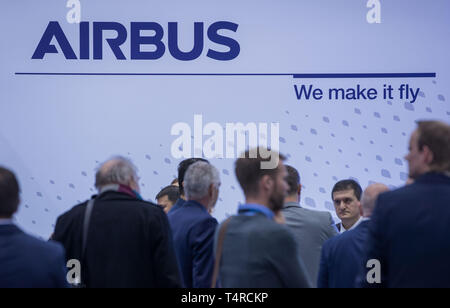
(360, 220)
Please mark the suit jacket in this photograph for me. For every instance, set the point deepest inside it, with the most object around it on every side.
(177, 205)
(129, 243)
(311, 229)
(193, 235)
(26, 262)
(259, 253)
(342, 257)
(409, 234)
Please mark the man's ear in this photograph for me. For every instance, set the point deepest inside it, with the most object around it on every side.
(267, 182)
(428, 155)
(299, 189)
(17, 206)
(211, 191)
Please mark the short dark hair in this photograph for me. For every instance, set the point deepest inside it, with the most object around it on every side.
(249, 172)
(172, 192)
(347, 185)
(436, 136)
(9, 193)
(293, 180)
(182, 168)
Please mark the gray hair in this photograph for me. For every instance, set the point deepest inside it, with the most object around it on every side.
(199, 176)
(117, 170)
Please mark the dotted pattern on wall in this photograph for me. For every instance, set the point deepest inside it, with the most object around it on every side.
(365, 141)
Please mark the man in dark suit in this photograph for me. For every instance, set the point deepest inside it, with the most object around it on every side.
(120, 240)
(409, 231)
(346, 195)
(25, 262)
(257, 252)
(343, 255)
(193, 227)
(182, 168)
(310, 228)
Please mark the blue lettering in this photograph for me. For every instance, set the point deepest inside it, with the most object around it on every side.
(84, 40)
(198, 42)
(137, 40)
(215, 37)
(113, 43)
(316, 93)
(53, 31)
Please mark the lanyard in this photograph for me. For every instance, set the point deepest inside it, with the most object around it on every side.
(253, 209)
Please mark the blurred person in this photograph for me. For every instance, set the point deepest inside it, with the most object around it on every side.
(25, 261)
(346, 195)
(182, 168)
(119, 239)
(409, 229)
(167, 197)
(174, 183)
(343, 255)
(409, 181)
(193, 227)
(310, 228)
(253, 251)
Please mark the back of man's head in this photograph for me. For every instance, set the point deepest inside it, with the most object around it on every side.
(9, 193)
(172, 192)
(348, 185)
(369, 197)
(118, 170)
(182, 168)
(436, 136)
(249, 169)
(293, 180)
(198, 179)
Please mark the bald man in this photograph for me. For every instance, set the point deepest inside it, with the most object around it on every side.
(343, 255)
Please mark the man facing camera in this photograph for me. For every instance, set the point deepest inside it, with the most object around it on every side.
(346, 197)
(193, 227)
(409, 231)
(255, 251)
(25, 262)
(343, 255)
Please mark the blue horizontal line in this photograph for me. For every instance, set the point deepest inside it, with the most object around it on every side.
(368, 75)
(305, 76)
(155, 74)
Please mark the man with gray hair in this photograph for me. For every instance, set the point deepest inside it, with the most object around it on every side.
(193, 227)
(119, 239)
(343, 255)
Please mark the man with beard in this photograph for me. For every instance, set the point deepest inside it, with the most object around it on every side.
(252, 249)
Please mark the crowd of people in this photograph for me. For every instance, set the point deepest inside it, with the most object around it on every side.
(385, 238)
